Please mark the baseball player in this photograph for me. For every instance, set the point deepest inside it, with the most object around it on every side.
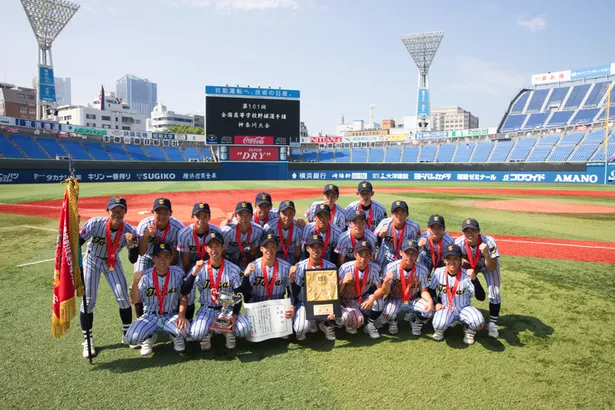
(360, 292)
(315, 249)
(158, 288)
(322, 226)
(374, 210)
(210, 278)
(108, 236)
(191, 243)
(482, 255)
(242, 239)
(288, 232)
(394, 231)
(357, 232)
(432, 242)
(331, 194)
(456, 288)
(262, 214)
(407, 289)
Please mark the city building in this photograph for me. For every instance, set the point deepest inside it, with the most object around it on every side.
(452, 118)
(199, 121)
(303, 131)
(161, 119)
(140, 94)
(17, 102)
(63, 91)
(107, 112)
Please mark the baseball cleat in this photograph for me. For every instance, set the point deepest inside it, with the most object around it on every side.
(179, 344)
(328, 331)
(371, 330)
(313, 327)
(492, 330)
(408, 317)
(393, 329)
(300, 336)
(147, 347)
(469, 336)
(230, 340)
(206, 343)
(438, 335)
(86, 353)
(350, 330)
(416, 325)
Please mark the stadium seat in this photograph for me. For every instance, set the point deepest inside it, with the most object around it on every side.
(393, 154)
(557, 97)
(136, 152)
(576, 96)
(585, 116)
(193, 153)
(174, 154)
(29, 146)
(359, 155)
(518, 106)
(482, 151)
(342, 155)
(560, 118)
(410, 154)
(326, 155)
(96, 149)
(501, 151)
(445, 153)
(602, 115)
(155, 153)
(595, 95)
(52, 147)
(117, 152)
(522, 149)
(561, 153)
(309, 155)
(599, 154)
(376, 154)
(548, 140)
(594, 137)
(206, 153)
(76, 150)
(571, 138)
(584, 152)
(540, 153)
(513, 122)
(428, 153)
(538, 99)
(8, 149)
(536, 120)
(463, 152)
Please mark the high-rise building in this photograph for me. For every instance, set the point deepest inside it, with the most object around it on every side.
(162, 119)
(140, 94)
(452, 118)
(63, 91)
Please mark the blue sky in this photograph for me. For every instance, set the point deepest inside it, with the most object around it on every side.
(342, 54)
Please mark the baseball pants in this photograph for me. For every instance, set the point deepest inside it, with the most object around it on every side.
(469, 315)
(352, 315)
(394, 306)
(492, 277)
(92, 268)
(148, 324)
(205, 317)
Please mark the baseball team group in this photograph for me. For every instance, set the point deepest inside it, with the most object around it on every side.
(387, 269)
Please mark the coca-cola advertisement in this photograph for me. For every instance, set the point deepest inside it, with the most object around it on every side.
(251, 121)
(253, 154)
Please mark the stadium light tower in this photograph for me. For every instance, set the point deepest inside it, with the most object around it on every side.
(422, 48)
(47, 18)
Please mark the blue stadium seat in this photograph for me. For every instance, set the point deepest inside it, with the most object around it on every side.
(309, 155)
(482, 151)
(206, 153)
(577, 95)
(155, 153)
(513, 122)
(594, 137)
(548, 140)
(52, 146)
(96, 150)
(136, 152)
(501, 151)
(29, 146)
(393, 154)
(326, 155)
(8, 149)
(540, 153)
(295, 153)
(557, 96)
(571, 138)
(193, 153)
(376, 154)
(522, 149)
(76, 150)
(359, 155)
(410, 154)
(342, 155)
(596, 94)
(585, 116)
(174, 154)
(536, 120)
(561, 153)
(463, 152)
(584, 152)
(599, 154)
(517, 107)
(445, 153)
(602, 115)
(117, 152)
(538, 99)
(428, 153)
(560, 118)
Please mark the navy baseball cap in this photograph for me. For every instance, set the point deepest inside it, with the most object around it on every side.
(356, 214)
(470, 223)
(322, 208)
(331, 188)
(161, 247)
(451, 250)
(201, 206)
(243, 206)
(116, 201)
(363, 245)
(365, 186)
(312, 239)
(284, 205)
(410, 244)
(263, 198)
(398, 205)
(214, 236)
(161, 203)
(269, 238)
(436, 220)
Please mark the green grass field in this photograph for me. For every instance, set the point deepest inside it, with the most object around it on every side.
(555, 350)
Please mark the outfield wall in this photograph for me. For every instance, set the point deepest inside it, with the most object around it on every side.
(51, 171)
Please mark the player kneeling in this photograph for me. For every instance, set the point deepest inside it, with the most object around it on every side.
(407, 287)
(456, 287)
(158, 289)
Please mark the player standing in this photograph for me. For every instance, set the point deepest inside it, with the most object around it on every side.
(108, 235)
(331, 194)
(482, 255)
(263, 214)
(394, 231)
(432, 242)
(374, 210)
(288, 232)
(322, 226)
(347, 241)
(241, 239)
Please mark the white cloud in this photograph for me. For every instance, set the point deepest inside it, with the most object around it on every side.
(485, 77)
(533, 24)
(240, 5)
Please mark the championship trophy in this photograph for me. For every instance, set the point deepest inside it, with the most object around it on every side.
(222, 323)
(321, 294)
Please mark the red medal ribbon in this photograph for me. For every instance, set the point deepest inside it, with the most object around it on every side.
(285, 246)
(326, 244)
(238, 237)
(433, 255)
(397, 243)
(472, 258)
(370, 214)
(214, 283)
(201, 250)
(357, 283)
(161, 295)
(354, 241)
(258, 221)
(112, 245)
(269, 285)
(451, 291)
(165, 232)
(405, 290)
(333, 213)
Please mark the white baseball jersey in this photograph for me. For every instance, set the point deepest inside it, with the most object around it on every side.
(229, 281)
(338, 216)
(170, 238)
(332, 236)
(249, 240)
(420, 279)
(147, 290)
(375, 214)
(493, 250)
(345, 244)
(96, 230)
(273, 217)
(373, 279)
(393, 238)
(186, 243)
(465, 290)
(257, 280)
(425, 258)
(283, 236)
(305, 265)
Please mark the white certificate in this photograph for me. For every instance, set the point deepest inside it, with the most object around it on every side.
(267, 319)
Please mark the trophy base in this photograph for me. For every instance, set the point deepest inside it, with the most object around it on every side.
(222, 325)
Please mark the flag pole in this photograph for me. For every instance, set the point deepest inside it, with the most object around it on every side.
(607, 118)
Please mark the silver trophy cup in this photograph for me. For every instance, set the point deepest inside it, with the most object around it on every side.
(222, 323)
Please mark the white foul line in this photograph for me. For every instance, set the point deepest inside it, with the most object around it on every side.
(28, 227)
(555, 244)
(34, 263)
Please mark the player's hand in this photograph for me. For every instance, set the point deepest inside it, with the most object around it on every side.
(466, 265)
(150, 231)
(138, 276)
(229, 217)
(130, 239)
(389, 276)
(439, 306)
(181, 323)
(291, 273)
(331, 317)
(471, 273)
(288, 314)
(383, 231)
(251, 268)
(368, 304)
(348, 278)
(422, 242)
(197, 267)
(482, 247)
(301, 222)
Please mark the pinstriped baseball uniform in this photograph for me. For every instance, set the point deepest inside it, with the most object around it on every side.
(339, 217)
(300, 322)
(352, 315)
(185, 241)
(386, 252)
(146, 261)
(273, 218)
(377, 211)
(95, 262)
(310, 229)
(231, 244)
(229, 281)
(295, 240)
(425, 255)
(152, 320)
(257, 281)
(344, 243)
(492, 277)
(394, 304)
(462, 309)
